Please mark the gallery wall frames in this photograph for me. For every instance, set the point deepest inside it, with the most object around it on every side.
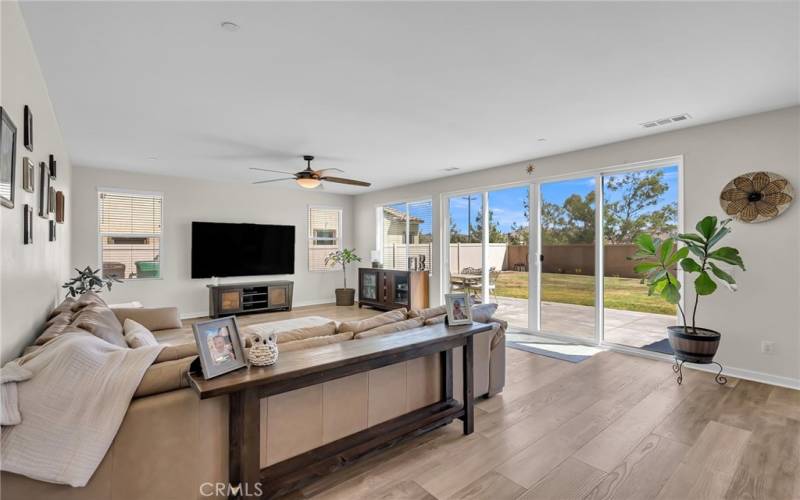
(8, 159)
(51, 200)
(44, 190)
(28, 129)
(27, 174)
(52, 167)
(60, 207)
(52, 231)
(27, 214)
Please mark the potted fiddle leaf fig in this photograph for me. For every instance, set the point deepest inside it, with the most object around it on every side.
(700, 255)
(344, 296)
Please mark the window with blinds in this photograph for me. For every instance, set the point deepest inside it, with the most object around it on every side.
(407, 235)
(324, 236)
(129, 236)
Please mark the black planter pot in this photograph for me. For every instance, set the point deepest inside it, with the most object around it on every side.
(693, 346)
(345, 296)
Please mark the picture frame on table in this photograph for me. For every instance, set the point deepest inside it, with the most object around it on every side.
(28, 177)
(458, 308)
(219, 346)
(8, 159)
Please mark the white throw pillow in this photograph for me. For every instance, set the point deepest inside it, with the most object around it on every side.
(136, 335)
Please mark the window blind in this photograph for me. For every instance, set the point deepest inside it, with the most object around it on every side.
(324, 236)
(407, 235)
(129, 234)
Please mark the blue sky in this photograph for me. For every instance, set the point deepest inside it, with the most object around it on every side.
(507, 203)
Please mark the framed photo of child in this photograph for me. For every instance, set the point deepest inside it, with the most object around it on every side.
(219, 346)
(458, 309)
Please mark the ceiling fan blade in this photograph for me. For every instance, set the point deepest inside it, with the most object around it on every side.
(329, 169)
(274, 171)
(341, 180)
(275, 180)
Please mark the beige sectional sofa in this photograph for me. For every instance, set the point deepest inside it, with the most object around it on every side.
(170, 442)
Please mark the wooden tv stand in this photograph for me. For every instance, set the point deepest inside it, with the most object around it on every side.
(238, 298)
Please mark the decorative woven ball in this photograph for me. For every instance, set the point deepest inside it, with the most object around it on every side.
(263, 351)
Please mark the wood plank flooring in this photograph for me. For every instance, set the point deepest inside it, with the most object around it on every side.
(612, 427)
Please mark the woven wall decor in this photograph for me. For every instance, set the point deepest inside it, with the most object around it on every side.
(756, 196)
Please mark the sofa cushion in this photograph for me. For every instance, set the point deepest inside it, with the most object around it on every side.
(64, 307)
(435, 320)
(88, 298)
(373, 322)
(428, 313)
(54, 327)
(152, 318)
(164, 377)
(304, 333)
(137, 335)
(391, 328)
(172, 352)
(296, 345)
(101, 322)
(482, 313)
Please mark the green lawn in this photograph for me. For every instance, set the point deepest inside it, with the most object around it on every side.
(620, 293)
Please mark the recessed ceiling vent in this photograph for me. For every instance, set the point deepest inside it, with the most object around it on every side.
(666, 121)
(450, 169)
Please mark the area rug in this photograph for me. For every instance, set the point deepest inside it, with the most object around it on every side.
(661, 346)
(574, 353)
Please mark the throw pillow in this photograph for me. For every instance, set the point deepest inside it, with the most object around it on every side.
(482, 313)
(391, 328)
(137, 336)
(296, 345)
(373, 322)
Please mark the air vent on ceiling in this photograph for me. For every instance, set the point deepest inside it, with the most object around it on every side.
(666, 121)
(450, 169)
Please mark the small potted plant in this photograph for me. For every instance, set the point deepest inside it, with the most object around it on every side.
(699, 255)
(344, 296)
(86, 281)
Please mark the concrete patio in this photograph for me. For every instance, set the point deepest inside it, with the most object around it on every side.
(630, 328)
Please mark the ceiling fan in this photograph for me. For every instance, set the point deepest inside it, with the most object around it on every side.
(309, 178)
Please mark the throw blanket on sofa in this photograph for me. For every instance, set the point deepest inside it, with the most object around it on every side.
(71, 407)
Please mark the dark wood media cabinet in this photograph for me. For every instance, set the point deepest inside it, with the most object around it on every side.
(388, 289)
(239, 298)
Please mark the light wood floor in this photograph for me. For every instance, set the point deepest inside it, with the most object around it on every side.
(613, 426)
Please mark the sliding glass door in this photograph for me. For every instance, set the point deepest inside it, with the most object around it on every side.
(555, 264)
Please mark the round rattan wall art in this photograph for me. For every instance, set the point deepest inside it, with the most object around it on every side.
(756, 196)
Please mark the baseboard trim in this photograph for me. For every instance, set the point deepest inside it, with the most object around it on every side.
(297, 305)
(755, 376)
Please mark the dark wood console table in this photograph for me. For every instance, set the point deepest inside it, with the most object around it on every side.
(297, 369)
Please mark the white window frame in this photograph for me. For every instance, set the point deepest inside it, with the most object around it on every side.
(379, 228)
(310, 236)
(100, 235)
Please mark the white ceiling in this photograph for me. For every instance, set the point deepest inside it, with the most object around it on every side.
(394, 93)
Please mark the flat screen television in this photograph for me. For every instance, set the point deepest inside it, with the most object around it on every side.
(221, 249)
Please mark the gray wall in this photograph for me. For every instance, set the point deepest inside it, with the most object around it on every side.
(30, 275)
(187, 200)
(766, 305)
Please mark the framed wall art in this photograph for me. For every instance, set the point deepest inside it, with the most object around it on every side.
(44, 190)
(27, 214)
(8, 158)
(60, 207)
(28, 129)
(52, 163)
(27, 174)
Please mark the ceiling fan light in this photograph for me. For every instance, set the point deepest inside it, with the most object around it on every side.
(308, 182)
